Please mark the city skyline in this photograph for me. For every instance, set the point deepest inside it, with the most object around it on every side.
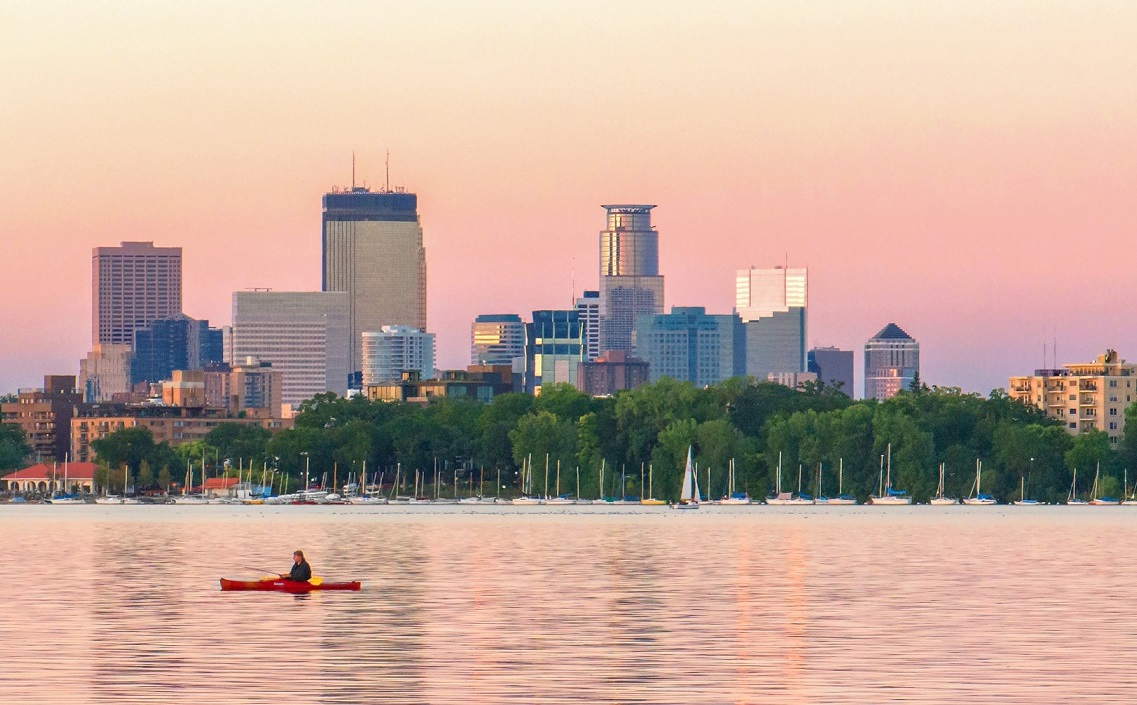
(852, 142)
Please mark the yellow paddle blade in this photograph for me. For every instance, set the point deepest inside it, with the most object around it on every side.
(315, 580)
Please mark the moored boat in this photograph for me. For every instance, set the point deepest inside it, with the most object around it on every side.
(689, 496)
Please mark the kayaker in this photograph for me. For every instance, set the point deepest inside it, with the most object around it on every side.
(301, 572)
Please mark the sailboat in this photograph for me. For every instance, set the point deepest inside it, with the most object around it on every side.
(786, 498)
(558, 499)
(1072, 500)
(885, 494)
(1022, 501)
(64, 495)
(734, 497)
(689, 497)
(650, 500)
(527, 483)
(1132, 501)
(940, 499)
(841, 498)
(1098, 501)
(979, 498)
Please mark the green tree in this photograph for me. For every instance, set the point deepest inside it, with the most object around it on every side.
(126, 446)
(13, 447)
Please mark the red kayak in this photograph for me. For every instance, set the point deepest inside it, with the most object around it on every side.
(275, 585)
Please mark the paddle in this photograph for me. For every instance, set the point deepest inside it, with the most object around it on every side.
(314, 580)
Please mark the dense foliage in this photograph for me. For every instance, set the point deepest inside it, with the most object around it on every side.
(813, 431)
(13, 447)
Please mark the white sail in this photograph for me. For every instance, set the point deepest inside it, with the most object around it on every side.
(689, 481)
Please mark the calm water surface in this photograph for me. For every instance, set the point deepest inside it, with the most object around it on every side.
(121, 604)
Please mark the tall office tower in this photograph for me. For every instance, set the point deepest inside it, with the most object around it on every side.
(179, 343)
(630, 284)
(497, 339)
(772, 304)
(132, 285)
(588, 305)
(554, 349)
(834, 367)
(691, 346)
(892, 361)
(393, 350)
(372, 245)
(302, 334)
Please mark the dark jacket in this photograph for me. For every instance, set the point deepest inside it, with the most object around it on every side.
(301, 572)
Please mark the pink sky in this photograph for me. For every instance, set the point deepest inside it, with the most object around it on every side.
(967, 170)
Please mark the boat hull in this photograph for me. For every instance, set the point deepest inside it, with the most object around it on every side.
(838, 501)
(973, 502)
(890, 501)
(292, 586)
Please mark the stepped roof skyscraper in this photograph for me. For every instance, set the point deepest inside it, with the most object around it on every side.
(372, 249)
(630, 283)
(892, 361)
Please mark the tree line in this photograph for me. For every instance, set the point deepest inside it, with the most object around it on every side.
(813, 431)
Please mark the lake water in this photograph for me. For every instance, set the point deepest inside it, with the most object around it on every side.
(120, 604)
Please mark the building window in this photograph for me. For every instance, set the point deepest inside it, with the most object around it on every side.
(1113, 382)
(1112, 425)
(1073, 425)
(1073, 411)
(1073, 397)
(1113, 412)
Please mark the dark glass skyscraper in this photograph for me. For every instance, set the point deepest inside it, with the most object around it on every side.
(180, 343)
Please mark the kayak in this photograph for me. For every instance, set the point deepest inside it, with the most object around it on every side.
(275, 585)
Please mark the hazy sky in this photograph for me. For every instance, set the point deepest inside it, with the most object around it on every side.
(967, 170)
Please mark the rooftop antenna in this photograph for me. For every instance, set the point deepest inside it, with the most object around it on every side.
(353, 170)
(387, 167)
(573, 281)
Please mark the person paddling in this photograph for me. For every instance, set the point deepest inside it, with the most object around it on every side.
(301, 572)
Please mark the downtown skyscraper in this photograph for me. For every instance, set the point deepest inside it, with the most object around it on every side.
(630, 283)
(131, 286)
(372, 249)
(772, 304)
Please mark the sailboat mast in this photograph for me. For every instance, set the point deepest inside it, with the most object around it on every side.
(779, 485)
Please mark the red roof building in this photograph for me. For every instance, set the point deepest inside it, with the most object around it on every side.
(45, 478)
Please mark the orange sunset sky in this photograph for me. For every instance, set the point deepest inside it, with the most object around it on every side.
(967, 170)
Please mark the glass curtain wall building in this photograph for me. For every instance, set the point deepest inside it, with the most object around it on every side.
(691, 345)
(630, 283)
(554, 349)
(497, 339)
(773, 304)
(393, 350)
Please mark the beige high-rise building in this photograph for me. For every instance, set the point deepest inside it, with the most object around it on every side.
(303, 334)
(372, 245)
(1084, 397)
(132, 285)
(104, 373)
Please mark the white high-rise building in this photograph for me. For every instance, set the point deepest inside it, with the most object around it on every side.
(393, 350)
(761, 293)
(302, 333)
(588, 306)
(772, 304)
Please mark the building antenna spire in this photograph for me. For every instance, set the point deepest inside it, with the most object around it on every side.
(573, 301)
(387, 167)
(353, 170)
